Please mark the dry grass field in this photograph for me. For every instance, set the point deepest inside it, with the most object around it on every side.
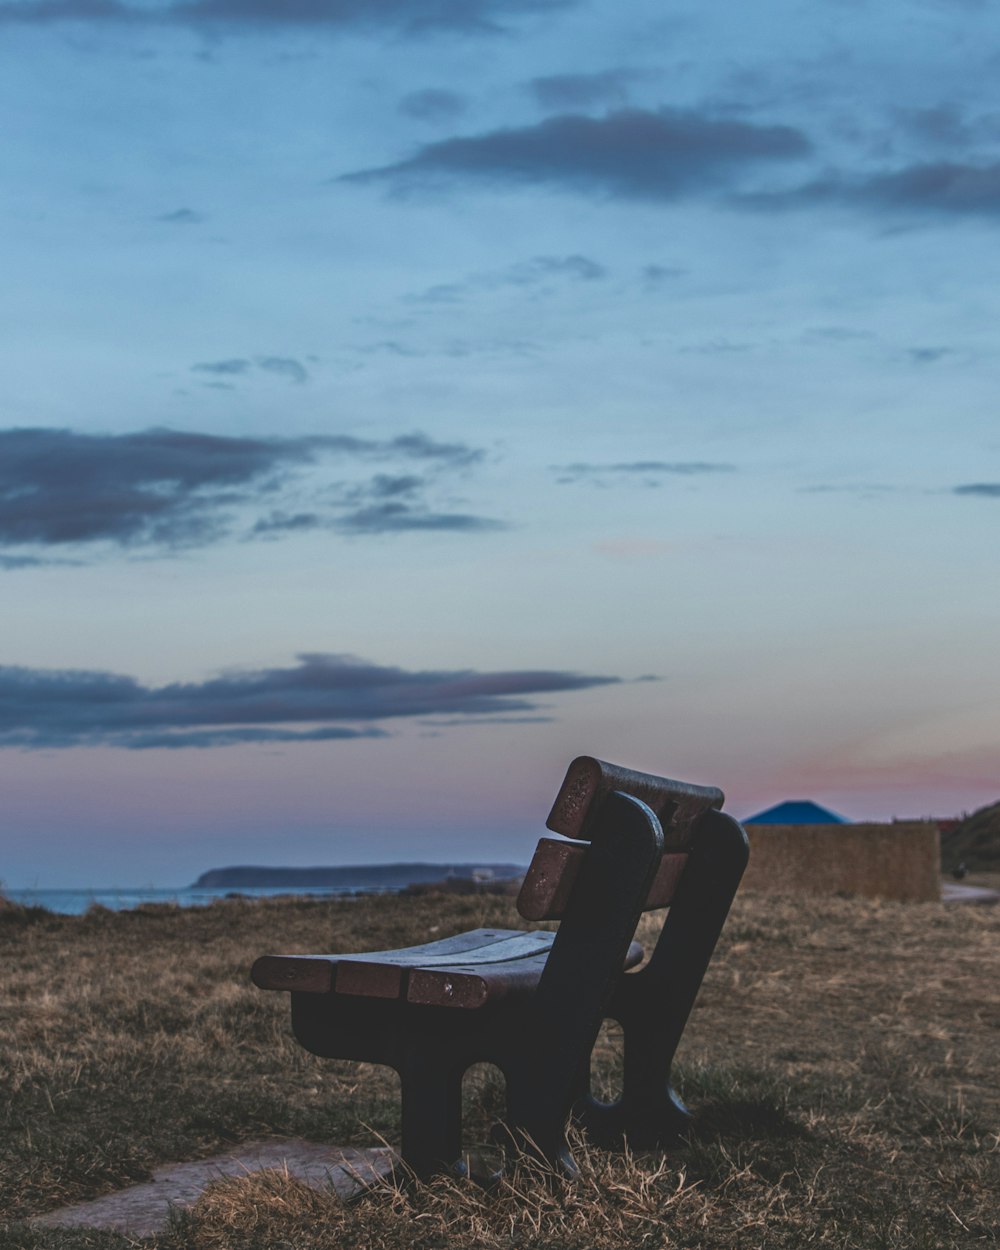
(842, 1061)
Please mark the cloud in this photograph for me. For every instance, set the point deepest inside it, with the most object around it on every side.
(432, 727)
(320, 698)
(420, 447)
(580, 268)
(170, 488)
(43, 12)
(863, 490)
(182, 217)
(576, 91)
(57, 486)
(631, 153)
(386, 518)
(536, 272)
(433, 104)
(441, 293)
(650, 471)
(21, 562)
(223, 368)
(383, 504)
(284, 366)
(942, 126)
(714, 347)
(944, 188)
(657, 275)
(986, 490)
(202, 738)
(928, 355)
(278, 523)
(409, 17)
(238, 366)
(386, 485)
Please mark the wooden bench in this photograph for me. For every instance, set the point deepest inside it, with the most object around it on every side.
(533, 1002)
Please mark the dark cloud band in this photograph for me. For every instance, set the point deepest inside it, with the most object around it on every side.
(984, 490)
(323, 697)
(630, 153)
(638, 470)
(413, 17)
(942, 189)
(560, 92)
(170, 488)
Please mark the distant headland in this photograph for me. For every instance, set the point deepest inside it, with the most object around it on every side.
(353, 877)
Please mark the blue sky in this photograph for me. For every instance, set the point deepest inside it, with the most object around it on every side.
(402, 398)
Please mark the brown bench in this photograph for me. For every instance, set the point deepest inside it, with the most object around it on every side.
(533, 1002)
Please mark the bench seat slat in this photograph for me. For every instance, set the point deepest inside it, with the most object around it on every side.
(315, 973)
(472, 986)
(486, 965)
(512, 944)
(381, 974)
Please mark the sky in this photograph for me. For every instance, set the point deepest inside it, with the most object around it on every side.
(402, 398)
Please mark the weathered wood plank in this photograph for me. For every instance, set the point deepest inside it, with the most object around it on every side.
(661, 892)
(371, 979)
(379, 974)
(466, 978)
(390, 974)
(311, 974)
(551, 876)
(589, 781)
(476, 985)
(515, 945)
(472, 987)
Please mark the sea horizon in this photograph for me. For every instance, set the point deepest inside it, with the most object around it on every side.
(70, 901)
(236, 882)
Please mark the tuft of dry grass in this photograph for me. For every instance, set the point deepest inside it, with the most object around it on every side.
(616, 1201)
(841, 1062)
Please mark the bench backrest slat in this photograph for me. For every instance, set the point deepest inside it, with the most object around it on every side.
(552, 874)
(589, 781)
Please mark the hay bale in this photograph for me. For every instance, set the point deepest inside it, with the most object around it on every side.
(899, 861)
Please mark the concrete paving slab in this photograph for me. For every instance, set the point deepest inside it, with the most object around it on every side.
(142, 1210)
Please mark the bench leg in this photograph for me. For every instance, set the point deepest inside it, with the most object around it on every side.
(581, 974)
(536, 1121)
(431, 1089)
(649, 1112)
(653, 1004)
(653, 1113)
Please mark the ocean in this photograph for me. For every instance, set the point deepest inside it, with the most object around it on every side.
(76, 902)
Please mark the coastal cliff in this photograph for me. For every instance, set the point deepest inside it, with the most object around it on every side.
(351, 877)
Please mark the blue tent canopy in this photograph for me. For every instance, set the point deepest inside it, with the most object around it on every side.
(797, 812)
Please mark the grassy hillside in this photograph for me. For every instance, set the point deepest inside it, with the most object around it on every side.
(841, 1061)
(975, 843)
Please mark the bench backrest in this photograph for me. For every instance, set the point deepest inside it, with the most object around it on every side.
(555, 866)
(548, 884)
(588, 782)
